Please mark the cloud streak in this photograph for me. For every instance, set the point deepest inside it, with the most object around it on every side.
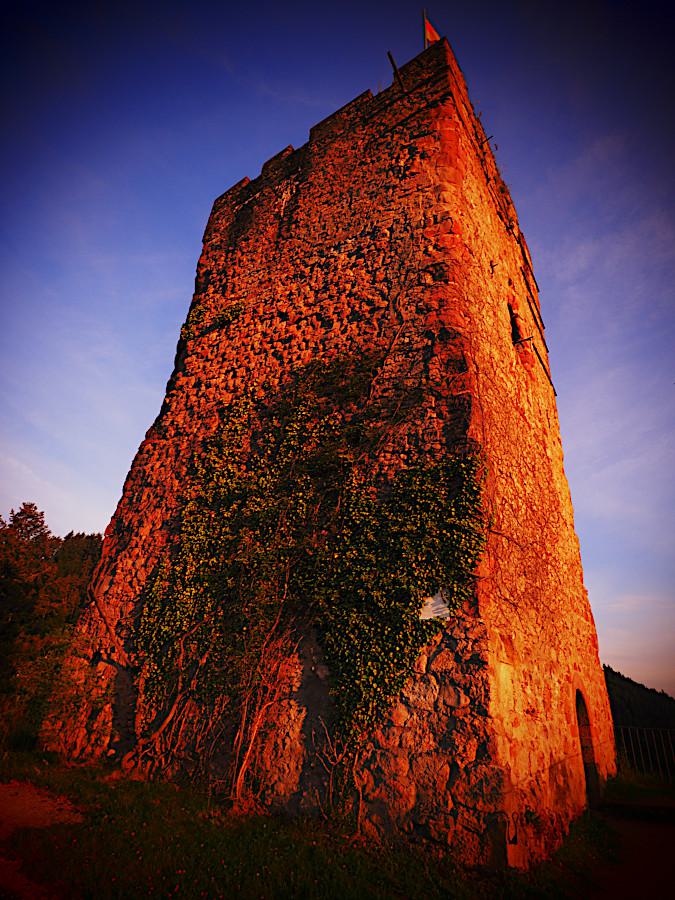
(606, 260)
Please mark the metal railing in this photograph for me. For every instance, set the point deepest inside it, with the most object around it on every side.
(649, 751)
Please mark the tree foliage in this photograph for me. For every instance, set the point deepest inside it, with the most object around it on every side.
(43, 582)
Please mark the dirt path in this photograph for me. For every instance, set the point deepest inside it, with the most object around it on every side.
(22, 805)
(645, 864)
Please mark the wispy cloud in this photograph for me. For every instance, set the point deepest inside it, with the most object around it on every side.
(60, 496)
(607, 267)
(636, 630)
(620, 445)
(293, 94)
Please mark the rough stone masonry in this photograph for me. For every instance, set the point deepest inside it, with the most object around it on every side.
(391, 232)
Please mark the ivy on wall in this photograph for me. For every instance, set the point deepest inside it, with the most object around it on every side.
(287, 524)
(196, 323)
(391, 552)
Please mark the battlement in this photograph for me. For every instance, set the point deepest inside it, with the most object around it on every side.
(341, 119)
(417, 85)
(277, 164)
(435, 61)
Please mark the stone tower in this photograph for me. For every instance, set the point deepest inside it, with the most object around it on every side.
(382, 264)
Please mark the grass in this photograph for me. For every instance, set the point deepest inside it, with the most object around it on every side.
(633, 787)
(157, 840)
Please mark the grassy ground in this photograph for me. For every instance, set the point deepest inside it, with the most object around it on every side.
(642, 790)
(142, 840)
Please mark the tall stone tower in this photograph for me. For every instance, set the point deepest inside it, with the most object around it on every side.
(344, 565)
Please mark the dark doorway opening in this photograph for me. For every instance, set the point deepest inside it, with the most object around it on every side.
(587, 754)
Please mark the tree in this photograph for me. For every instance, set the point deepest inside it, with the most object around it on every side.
(43, 586)
(29, 524)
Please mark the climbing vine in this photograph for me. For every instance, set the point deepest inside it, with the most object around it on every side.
(287, 521)
(193, 322)
(196, 323)
(422, 537)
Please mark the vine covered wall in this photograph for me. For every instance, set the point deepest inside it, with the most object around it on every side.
(299, 533)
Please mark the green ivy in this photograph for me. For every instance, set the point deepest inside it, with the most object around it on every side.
(285, 520)
(193, 322)
(391, 552)
(230, 314)
(194, 325)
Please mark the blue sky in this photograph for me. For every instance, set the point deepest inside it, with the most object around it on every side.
(123, 121)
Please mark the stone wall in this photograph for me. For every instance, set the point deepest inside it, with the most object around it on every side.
(389, 231)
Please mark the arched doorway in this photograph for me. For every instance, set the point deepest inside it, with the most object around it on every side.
(587, 755)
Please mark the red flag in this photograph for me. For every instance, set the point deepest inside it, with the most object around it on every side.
(430, 33)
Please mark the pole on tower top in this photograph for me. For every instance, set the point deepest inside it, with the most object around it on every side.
(396, 72)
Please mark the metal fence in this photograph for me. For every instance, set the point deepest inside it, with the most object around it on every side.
(650, 751)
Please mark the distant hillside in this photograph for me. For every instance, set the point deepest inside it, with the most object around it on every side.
(634, 704)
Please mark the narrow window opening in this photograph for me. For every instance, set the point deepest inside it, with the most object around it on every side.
(516, 335)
